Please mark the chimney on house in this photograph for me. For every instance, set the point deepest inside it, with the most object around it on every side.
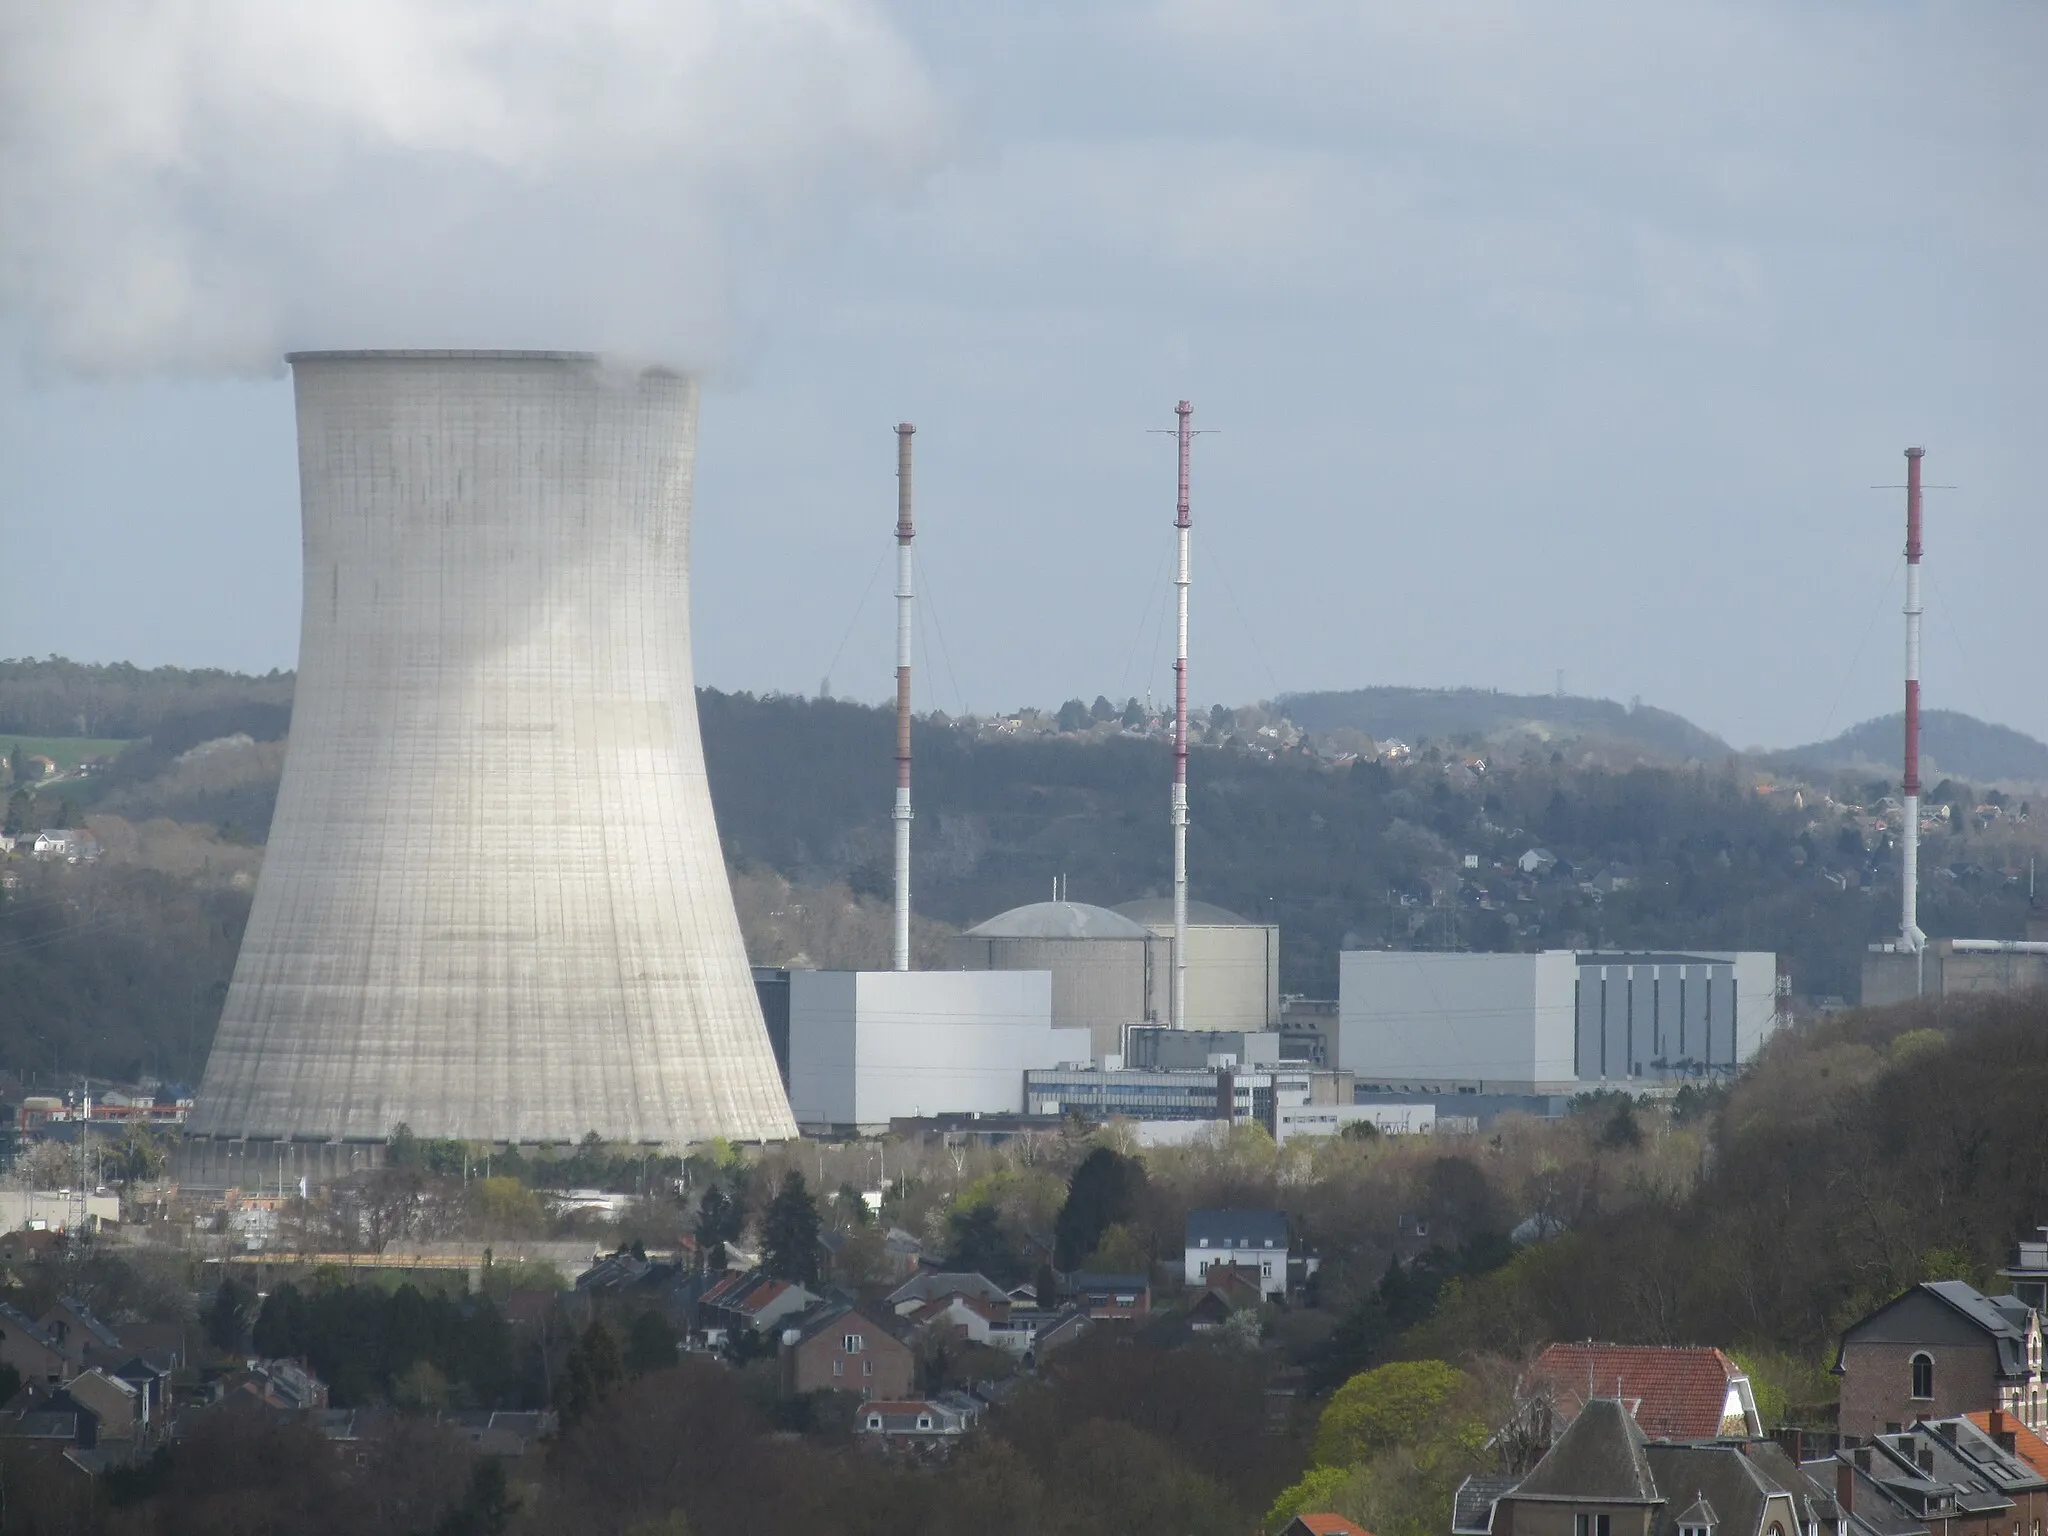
(1845, 1485)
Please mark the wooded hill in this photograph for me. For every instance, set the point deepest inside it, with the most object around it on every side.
(130, 958)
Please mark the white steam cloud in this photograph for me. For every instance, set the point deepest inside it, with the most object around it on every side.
(198, 185)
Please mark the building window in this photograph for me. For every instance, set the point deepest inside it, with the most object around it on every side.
(874, 1421)
(1591, 1525)
(1923, 1376)
(854, 1342)
(838, 1367)
(867, 1367)
(924, 1421)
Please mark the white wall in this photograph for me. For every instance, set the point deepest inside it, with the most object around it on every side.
(1329, 1119)
(1456, 1019)
(867, 1047)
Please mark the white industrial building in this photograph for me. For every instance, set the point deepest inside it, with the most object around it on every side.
(1560, 1021)
(1292, 1120)
(869, 1047)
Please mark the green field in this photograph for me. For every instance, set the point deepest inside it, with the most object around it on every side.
(67, 752)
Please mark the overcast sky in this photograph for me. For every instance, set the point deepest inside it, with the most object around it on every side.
(1535, 339)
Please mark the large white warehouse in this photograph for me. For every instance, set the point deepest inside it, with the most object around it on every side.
(1560, 1021)
(868, 1047)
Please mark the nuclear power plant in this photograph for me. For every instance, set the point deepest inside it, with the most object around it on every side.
(494, 904)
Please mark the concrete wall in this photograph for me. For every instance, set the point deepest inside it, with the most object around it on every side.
(1893, 976)
(868, 1047)
(1099, 985)
(494, 905)
(1490, 1022)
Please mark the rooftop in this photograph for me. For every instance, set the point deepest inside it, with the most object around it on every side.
(1059, 920)
(1159, 909)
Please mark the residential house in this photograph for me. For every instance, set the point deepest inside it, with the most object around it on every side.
(838, 1347)
(920, 1291)
(751, 1300)
(1940, 1349)
(1245, 1239)
(1536, 861)
(32, 1246)
(1944, 1477)
(119, 1408)
(1322, 1525)
(68, 843)
(84, 1339)
(918, 1419)
(1111, 1298)
(504, 1434)
(1672, 1393)
(1057, 1332)
(1226, 1290)
(25, 1345)
(1604, 1477)
(283, 1385)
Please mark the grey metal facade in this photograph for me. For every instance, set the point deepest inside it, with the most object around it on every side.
(494, 904)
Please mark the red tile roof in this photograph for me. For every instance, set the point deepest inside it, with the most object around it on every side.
(1325, 1525)
(1675, 1394)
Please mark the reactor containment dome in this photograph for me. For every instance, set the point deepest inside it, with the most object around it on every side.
(494, 905)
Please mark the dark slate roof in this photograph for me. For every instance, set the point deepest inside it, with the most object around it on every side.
(1472, 1508)
(1729, 1486)
(827, 1315)
(1599, 1458)
(1237, 1229)
(932, 1284)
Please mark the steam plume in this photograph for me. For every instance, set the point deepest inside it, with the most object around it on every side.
(197, 185)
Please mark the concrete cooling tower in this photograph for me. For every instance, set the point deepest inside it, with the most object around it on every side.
(494, 905)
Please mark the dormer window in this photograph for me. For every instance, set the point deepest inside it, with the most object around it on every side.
(1923, 1376)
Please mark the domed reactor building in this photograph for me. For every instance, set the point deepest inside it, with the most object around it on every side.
(494, 905)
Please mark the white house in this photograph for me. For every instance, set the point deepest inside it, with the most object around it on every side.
(1247, 1240)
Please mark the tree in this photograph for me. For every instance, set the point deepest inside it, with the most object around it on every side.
(789, 1233)
(589, 1374)
(1134, 714)
(1073, 716)
(1104, 1191)
(1376, 1410)
(227, 1317)
(720, 1219)
(17, 765)
(982, 1245)
(487, 1506)
(650, 1344)
(1102, 709)
(20, 807)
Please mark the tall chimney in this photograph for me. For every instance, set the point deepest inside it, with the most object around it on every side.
(901, 814)
(1180, 738)
(1910, 935)
(1845, 1485)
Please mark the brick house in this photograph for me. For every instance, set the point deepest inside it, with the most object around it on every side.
(837, 1347)
(1940, 1350)
(1111, 1298)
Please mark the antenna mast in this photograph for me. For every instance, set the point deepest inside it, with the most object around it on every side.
(1910, 935)
(1180, 736)
(901, 814)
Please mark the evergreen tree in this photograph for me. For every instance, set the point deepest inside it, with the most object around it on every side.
(1102, 709)
(1134, 713)
(1103, 1192)
(1073, 716)
(720, 1219)
(227, 1318)
(789, 1233)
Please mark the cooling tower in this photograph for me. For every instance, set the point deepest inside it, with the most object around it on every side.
(493, 905)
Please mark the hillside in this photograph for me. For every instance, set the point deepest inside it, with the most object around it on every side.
(1445, 714)
(1952, 745)
(1339, 853)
